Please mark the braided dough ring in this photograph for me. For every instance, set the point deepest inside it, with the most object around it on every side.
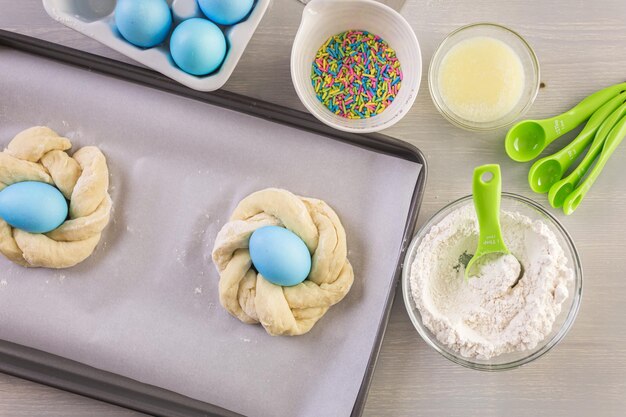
(250, 297)
(39, 154)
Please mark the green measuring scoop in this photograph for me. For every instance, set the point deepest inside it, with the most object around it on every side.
(527, 139)
(561, 189)
(548, 170)
(487, 190)
(613, 140)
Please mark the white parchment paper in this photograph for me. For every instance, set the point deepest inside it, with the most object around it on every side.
(145, 305)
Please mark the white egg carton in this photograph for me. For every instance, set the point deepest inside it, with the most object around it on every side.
(95, 19)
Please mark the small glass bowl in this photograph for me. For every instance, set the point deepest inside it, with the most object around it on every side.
(569, 308)
(512, 39)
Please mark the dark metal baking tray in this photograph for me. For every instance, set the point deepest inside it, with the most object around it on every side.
(75, 377)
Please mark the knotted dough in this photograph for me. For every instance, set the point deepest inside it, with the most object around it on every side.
(39, 154)
(251, 298)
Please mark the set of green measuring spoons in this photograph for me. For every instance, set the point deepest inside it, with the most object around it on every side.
(605, 112)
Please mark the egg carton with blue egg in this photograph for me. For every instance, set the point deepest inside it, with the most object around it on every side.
(97, 19)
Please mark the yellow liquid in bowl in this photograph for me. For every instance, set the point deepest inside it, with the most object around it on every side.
(481, 79)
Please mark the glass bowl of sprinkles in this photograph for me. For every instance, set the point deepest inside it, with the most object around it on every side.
(355, 64)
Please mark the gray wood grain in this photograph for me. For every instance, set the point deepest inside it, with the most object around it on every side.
(580, 46)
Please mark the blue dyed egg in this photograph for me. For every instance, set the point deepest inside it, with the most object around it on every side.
(280, 255)
(226, 12)
(144, 23)
(198, 46)
(34, 207)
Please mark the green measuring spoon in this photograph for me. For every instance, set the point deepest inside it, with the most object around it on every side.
(561, 189)
(487, 188)
(527, 139)
(548, 170)
(615, 137)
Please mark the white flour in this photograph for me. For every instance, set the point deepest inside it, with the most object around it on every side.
(490, 314)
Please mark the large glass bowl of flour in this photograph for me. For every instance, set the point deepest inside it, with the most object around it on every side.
(492, 321)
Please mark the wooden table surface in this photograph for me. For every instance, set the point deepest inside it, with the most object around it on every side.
(581, 46)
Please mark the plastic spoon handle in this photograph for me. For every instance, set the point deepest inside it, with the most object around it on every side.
(487, 193)
(569, 153)
(559, 125)
(598, 143)
(487, 204)
(615, 137)
(571, 181)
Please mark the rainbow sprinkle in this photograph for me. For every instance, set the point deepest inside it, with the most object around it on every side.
(356, 74)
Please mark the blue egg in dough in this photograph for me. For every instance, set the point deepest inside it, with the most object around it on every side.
(145, 23)
(198, 46)
(280, 255)
(34, 207)
(226, 12)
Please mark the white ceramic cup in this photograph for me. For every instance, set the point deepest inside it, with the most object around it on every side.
(322, 19)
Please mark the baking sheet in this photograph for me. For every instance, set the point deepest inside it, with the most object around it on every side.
(145, 304)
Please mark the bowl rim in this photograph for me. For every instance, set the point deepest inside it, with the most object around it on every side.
(402, 111)
(415, 316)
(487, 126)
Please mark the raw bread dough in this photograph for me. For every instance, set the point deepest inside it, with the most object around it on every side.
(250, 297)
(39, 154)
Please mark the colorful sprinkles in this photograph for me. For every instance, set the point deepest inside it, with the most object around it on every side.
(356, 74)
